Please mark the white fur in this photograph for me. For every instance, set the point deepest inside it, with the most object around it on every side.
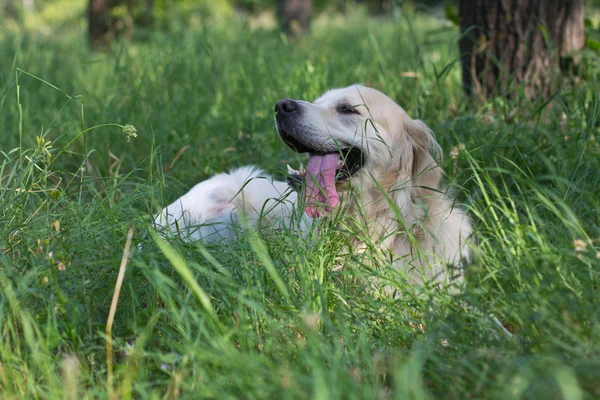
(212, 209)
(401, 175)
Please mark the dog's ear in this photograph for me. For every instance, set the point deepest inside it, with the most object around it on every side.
(425, 170)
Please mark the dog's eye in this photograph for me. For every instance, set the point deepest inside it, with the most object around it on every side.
(347, 109)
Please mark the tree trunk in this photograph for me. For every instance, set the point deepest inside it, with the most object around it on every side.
(294, 16)
(98, 22)
(12, 10)
(507, 43)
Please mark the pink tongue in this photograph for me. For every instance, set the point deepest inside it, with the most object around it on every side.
(320, 183)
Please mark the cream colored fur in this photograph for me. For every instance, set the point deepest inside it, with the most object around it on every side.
(397, 196)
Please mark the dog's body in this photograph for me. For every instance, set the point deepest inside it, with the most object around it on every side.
(366, 155)
(212, 210)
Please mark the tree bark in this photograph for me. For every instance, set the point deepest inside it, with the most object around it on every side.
(507, 43)
(295, 15)
(98, 22)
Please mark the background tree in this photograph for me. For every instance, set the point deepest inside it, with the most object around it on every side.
(524, 42)
(377, 6)
(15, 9)
(98, 22)
(294, 15)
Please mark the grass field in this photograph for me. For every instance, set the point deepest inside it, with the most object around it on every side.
(270, 318)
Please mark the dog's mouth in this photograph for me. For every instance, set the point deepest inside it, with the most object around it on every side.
(349, 162)
(323, 172)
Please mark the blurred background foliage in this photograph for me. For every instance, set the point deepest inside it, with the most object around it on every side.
(169, 12)
(49, 16)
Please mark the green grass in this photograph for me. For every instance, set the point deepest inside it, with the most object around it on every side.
(269, 316)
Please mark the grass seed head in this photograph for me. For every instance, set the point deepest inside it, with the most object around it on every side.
(130, 132)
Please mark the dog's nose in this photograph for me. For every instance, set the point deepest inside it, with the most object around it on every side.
(286, 106)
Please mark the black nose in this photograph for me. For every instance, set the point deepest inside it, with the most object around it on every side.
(287, 106)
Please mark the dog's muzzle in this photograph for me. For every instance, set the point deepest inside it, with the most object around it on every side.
(287, 115)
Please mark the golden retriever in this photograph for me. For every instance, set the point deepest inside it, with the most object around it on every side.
(367, 160)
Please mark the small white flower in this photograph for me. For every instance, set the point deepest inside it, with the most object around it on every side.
(311, 320)
(579, 245)
(454, 152)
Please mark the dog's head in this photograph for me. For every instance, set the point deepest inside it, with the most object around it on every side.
(358, 132)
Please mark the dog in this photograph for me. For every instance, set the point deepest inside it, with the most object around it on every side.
(368, 160)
